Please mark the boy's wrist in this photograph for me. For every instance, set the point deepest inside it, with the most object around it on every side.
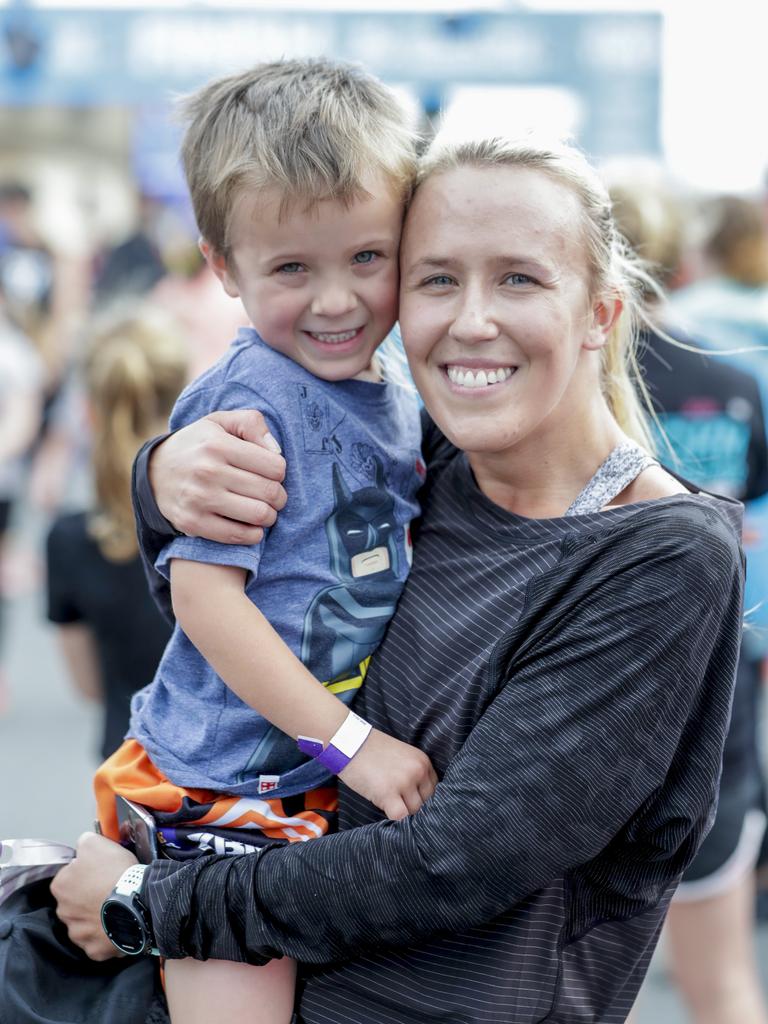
(345, 743)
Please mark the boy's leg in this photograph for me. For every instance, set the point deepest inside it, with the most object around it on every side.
(199, 992)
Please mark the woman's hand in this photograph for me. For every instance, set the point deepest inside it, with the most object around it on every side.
(81, 886)
(220, 477)
(396, 777)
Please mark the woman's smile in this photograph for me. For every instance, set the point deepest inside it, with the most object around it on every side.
(475, 376)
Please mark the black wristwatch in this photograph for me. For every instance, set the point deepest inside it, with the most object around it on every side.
(124, 917)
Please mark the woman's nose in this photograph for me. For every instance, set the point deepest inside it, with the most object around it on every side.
(474, 322)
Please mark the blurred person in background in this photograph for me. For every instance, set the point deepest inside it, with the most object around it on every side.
(728, 306)
(46, 293)
(711, 416)
(111, 633)
(21, 401)
(192, 294)
(135, 264)
(729, 301)
(39, 285)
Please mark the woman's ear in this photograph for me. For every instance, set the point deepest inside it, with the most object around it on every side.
(606, 310)
(218, 264)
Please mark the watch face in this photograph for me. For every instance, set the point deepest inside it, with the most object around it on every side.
(123, 927)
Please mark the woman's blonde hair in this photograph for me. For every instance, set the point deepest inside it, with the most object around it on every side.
(135, 367)
(613, 267)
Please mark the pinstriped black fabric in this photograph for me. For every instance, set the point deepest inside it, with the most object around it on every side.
(571, 680)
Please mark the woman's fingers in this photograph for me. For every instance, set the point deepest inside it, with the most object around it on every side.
(249, 484)
(206, 479)
(248, 424)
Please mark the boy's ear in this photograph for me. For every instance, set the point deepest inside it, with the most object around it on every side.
(218, 264)
(606, 310)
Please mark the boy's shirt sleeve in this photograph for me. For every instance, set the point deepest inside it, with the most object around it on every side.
(197, 401)
(197, 549)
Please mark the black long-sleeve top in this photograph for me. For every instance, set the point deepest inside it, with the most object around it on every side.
(571, 680)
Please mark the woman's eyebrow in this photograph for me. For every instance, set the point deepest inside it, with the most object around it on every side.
(522, 261)
(505, 260)
(434, 261)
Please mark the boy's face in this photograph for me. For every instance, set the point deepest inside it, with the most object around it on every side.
(318, 285)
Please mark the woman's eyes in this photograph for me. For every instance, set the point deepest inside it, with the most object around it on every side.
(439, 280)
(445, 280)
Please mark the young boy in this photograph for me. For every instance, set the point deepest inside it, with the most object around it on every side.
(298, 173)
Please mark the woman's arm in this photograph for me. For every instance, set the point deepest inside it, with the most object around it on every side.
(634, 683)
(78, 646)
(634, 679)
(219, 478)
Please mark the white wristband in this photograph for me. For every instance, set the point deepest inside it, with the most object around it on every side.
(351, 735)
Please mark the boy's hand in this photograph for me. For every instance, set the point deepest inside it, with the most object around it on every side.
(220, 477)
(394, 776)
(82, 886)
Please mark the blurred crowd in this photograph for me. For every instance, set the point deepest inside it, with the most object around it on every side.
(95, 348)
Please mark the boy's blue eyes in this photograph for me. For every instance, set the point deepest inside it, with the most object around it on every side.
(361, 259)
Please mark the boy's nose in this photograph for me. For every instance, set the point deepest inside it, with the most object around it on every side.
(334, 300)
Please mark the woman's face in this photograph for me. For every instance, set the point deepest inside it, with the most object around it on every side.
(496, 314)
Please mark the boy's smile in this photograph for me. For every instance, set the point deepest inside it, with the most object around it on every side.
(319, 284)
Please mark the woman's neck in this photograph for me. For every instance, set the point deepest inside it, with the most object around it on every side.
(540, 476)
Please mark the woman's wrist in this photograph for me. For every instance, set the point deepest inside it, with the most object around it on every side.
(144, 496)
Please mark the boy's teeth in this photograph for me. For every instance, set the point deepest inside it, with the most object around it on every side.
(478, 378)
(337, 337)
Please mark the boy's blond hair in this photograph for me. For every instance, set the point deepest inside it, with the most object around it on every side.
(314, 129)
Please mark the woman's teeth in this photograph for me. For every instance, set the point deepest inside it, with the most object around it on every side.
(334, 338)
(478, 378)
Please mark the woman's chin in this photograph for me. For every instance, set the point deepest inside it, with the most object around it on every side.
(476, 435)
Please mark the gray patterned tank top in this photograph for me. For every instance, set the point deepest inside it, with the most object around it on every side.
(624, 464)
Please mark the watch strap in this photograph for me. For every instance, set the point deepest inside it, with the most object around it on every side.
(130, 882)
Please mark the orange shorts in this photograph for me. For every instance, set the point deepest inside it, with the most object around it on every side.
(130, 773)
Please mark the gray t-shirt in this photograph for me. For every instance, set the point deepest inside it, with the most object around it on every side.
(327, 576)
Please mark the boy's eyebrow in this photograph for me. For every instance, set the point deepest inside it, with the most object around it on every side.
(297, 255)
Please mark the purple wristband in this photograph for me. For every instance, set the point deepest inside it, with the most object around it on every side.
(343, 745)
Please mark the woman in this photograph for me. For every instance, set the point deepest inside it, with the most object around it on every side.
(111, 634)
(564, 651)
